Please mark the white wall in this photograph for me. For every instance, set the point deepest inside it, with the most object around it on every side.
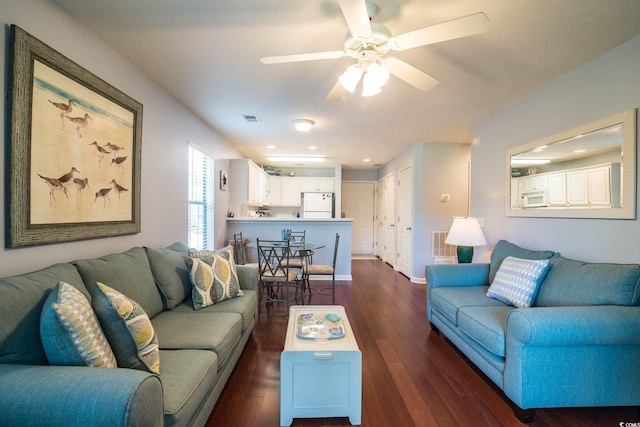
(604, 86)
(167, 126)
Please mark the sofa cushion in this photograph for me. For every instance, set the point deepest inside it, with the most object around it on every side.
(171, 273)
(517, 281)
(127, 328)
(21, 301)
(486, 326)
(71, 334)
(247, 307)
(504, 249)
(218, 332)
(448, 300)
(187, 376)
(127, 272)
(571, 282)
(214, 279)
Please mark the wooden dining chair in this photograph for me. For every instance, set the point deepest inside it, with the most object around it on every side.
(310, 269)
(274, 271)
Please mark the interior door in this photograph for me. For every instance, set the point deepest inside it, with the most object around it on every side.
(405, 220)
(379, 219)
(389, 219)
(358, 203)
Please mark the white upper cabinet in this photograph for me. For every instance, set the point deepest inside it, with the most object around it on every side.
(317, 185)
(284, 191)
(249, 183)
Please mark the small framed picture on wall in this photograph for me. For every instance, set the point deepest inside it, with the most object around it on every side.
(223, 180)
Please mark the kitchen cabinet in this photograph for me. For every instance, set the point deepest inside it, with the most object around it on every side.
(317, 184)
(284, 191)
(557, 186)
(249, 183)
(590, 187)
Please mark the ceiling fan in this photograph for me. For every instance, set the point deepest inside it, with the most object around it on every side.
(368, 43)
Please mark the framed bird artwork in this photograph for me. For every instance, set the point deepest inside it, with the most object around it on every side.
(75, 150)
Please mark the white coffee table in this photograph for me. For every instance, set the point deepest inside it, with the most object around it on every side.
(320, 378)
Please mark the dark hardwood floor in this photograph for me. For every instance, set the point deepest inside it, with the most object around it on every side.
(410, 375)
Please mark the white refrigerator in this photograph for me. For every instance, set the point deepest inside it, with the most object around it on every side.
(318, 205)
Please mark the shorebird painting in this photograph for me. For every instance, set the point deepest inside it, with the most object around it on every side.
(119, 188)
(54, 185)
(67, 178)
(101, 151)
(104, 193)
(118, 162)
(64, 108)
(113, 148)
(81, 184)
(80, 122)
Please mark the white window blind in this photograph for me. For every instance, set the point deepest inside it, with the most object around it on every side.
(201, 183)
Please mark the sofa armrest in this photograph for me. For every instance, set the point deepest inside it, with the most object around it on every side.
(573, 356)
(575, 326)
(248, 276)
(442, 275)
(34, 395)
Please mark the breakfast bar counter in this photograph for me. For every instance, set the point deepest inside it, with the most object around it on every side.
(321, 231)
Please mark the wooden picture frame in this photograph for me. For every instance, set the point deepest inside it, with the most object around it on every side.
(74, 150)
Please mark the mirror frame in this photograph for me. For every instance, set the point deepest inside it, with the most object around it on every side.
(629, 139)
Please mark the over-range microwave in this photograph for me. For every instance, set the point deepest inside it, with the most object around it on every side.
(535, 199)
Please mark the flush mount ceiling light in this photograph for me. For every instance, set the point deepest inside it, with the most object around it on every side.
(303, 125)
(294, 159)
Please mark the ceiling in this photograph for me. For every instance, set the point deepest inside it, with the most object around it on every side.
(206, 53)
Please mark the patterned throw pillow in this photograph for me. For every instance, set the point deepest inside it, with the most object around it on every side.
(70, 332)
(517, 281)
(128, 329)
(214, 278)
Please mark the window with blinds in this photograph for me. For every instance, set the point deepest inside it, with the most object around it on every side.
(201, 183)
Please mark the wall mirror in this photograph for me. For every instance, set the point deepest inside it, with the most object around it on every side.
(586, 172)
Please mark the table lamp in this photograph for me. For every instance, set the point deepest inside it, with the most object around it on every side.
(465, 233)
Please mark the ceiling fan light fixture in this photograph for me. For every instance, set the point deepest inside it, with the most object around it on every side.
(368, 88)
(350, 78)
(303, 125)
(378, 75)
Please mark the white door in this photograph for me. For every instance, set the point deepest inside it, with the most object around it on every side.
(357, 203)
(389, 219)
(405, 220)
(379, 219)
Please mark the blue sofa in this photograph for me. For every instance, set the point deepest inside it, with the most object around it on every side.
(198, 349)
(577, 345)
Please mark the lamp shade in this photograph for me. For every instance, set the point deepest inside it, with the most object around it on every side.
(465, 231)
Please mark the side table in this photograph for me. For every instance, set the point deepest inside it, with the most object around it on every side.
(320, 378)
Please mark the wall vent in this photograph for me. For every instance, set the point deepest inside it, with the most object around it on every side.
(251, 118)
(442, 253)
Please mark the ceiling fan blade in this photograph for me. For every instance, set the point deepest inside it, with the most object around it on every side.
(302, 57)
(454, 29)
(335, 92)
(410, 74)
(357, 17)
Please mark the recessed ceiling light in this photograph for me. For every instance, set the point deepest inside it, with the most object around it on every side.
(312, 147)
(295, 159)
(366, 160)
(303, 125)
(580, 151)
(271, 147)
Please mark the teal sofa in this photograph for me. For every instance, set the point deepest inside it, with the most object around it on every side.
(198, 349)
(578, 345)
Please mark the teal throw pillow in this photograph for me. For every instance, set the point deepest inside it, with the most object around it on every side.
(70, 332)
